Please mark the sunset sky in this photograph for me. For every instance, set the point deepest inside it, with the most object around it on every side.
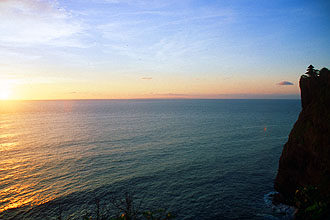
(104, 49)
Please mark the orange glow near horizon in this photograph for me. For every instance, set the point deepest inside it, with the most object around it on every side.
(159, 88)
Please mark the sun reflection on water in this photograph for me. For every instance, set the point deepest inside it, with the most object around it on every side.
(27, 170)
(8, 146)
(3, 136)
(21, 197)
(15, 192)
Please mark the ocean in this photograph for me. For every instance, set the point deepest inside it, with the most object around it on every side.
(198, 159)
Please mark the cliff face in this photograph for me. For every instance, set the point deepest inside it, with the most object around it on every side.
(305, 158)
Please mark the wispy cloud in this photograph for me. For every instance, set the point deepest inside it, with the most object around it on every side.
(36, 22)
(163, 34)
(140, 3)
(256, 96)
(14, 79)
(172, 94)
(285, 83)
(146, 78)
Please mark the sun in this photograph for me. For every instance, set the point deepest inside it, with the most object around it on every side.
(4, 93)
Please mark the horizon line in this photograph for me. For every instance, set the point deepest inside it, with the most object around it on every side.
(123, 99)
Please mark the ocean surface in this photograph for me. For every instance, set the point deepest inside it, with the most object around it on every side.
(199, 159)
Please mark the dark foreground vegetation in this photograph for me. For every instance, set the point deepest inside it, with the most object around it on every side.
(118, 209)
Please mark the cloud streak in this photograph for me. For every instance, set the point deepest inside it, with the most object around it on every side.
(34, 22)
(161, 34)
(285, 83)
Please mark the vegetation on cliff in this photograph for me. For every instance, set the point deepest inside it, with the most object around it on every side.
(312, 204)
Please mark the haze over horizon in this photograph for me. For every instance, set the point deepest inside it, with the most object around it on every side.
(121, 49)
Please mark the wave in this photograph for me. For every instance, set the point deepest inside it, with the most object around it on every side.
(285, 212)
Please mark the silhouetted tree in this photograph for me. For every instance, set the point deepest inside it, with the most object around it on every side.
(311, 71)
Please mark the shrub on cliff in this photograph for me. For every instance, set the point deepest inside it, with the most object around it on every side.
(312, 204)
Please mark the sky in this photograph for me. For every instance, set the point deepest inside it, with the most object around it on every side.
(127, 49)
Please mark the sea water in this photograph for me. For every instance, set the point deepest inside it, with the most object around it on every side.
(199, 159)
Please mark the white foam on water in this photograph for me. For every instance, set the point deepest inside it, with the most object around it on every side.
(286, 211)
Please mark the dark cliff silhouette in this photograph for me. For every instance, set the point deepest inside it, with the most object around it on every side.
(305, 159)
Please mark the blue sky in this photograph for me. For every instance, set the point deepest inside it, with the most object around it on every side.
(236, 48)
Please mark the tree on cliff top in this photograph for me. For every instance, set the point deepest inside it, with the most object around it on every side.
(311, 71)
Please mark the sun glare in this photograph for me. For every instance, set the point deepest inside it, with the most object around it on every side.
(4, 93)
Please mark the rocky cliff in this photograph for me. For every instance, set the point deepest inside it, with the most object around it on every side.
(305, 159)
